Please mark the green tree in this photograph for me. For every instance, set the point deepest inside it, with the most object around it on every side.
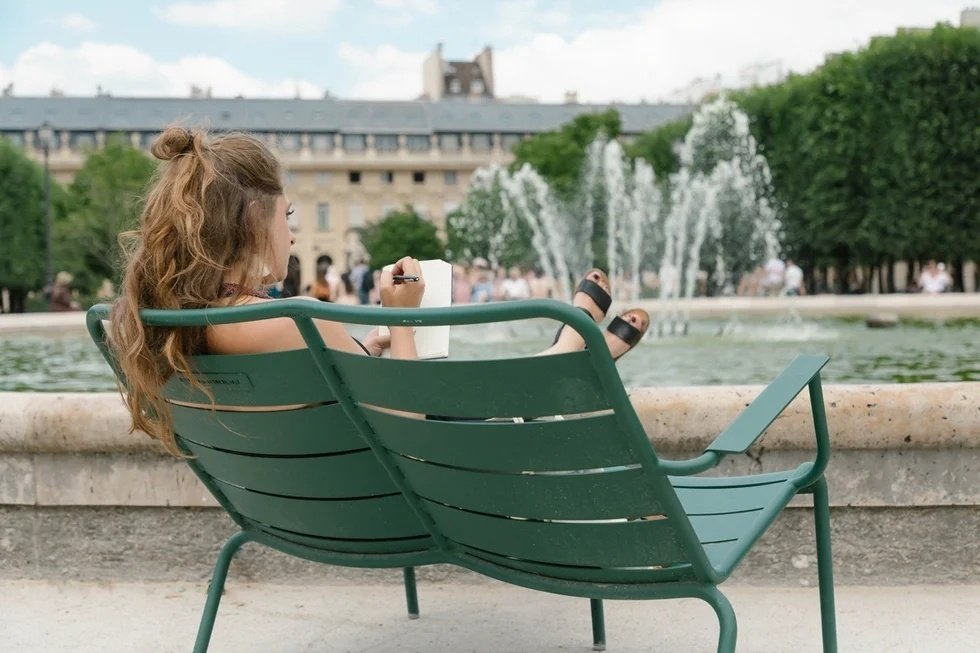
(559, 155)
(484, 227)
(104, 199)
(659, 147)
(22, 245)
(401, 233)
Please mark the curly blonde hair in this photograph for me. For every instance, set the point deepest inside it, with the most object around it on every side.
(208, 210)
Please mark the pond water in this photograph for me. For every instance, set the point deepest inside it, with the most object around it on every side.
(747, 352)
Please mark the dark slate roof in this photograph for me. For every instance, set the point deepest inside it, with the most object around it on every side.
(330, 115)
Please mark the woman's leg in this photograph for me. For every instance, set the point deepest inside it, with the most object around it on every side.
(568, 339)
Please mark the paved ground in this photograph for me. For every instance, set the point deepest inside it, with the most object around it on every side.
(161, 617)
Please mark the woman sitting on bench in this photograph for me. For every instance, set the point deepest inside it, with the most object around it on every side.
(214, 232)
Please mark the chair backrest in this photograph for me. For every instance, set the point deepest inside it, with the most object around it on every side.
(535, 464)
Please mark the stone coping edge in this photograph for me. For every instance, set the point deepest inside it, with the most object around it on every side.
(677, 419)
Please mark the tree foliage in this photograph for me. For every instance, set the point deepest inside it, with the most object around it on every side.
(481, 228)
(104, 199)
(559, 155)
(22, 244)
(873, 155)
(401, 233)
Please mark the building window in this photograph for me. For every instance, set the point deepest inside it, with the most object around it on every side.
(481, 142)
(509, 141)
(288, 142)
(449, 178)
(450, 142)
(476, 86)
(455, 87)
(323, 216)
(321, 142)
(388, 177)
(147, 138)
(386, 142)
(417, 143)
(355, 215)
(16, 138)
(418, 177)
(354, 142)
(354, 176)
(322, 178)
(82, 140)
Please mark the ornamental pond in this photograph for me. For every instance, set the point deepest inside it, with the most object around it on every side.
(713, 352)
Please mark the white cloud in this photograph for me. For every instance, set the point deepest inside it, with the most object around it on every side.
(124, 70)
(657, 51)
(383, 73)
(416, 6)
(680, 40)
(282, 16)
(75, 22)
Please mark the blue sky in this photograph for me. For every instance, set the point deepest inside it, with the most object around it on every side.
(611, 50)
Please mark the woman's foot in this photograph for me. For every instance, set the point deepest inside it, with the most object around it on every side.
(592, 295)
(626, 330)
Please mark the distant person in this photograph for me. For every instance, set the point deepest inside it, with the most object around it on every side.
(934, 279)
(347, 295)
(291, 284)
(462, 287)
(320, 288)
(482, 282)
(542, 287)
(515, 286)
(106, 291)
(61, 298)
(358, 275)
(793, 280)
(775, 271)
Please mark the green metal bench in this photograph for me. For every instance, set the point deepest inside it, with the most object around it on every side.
(580, 506)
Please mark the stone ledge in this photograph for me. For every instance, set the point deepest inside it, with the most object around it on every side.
(898, 546)
(686, 419)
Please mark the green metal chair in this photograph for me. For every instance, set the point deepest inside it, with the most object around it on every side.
(579, 505)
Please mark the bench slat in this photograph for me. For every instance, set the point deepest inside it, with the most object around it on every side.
(403, 545)
(598, 495)
(612, 544)
(520, 387)
(587, 574)
(375, 518)
(341, 476)
(304, 431)
(276, 379)
(505, 446)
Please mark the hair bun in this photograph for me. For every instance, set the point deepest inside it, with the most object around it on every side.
(173, 142)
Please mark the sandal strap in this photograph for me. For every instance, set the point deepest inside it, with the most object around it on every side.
(596, 292)
(625, 331)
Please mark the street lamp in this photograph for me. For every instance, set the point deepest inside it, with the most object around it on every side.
(45, 135)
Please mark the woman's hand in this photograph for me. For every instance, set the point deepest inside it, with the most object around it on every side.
(375, 343)
(404, 294)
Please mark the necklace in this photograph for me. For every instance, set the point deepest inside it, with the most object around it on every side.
(232, 289)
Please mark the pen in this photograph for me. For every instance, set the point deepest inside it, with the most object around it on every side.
(404, 277)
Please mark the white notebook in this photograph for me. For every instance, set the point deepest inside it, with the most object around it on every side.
(433, 342)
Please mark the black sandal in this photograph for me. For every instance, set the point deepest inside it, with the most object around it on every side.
(595, 292)
(627, 332)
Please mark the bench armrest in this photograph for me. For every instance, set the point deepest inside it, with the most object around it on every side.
(752, 422)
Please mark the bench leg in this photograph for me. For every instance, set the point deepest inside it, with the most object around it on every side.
(598, 625)
(727, 627)
(825, 565)
(217, 587)
(411, 595)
